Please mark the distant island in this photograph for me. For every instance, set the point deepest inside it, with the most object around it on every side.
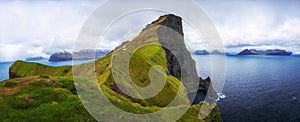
(81, 55)
(264, 52)
(245, 52)
(35, 58)
(205, 52)
(201, 52)
(216, 52)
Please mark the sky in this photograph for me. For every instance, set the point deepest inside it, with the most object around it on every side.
(41, 28)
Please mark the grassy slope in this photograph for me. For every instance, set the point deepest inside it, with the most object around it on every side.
(40, 98)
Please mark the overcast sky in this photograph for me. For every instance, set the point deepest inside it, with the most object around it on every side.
(40, 28)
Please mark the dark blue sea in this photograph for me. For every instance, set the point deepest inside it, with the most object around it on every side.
(257, 88)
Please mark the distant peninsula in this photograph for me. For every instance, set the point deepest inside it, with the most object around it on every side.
(80, 55)
(264, 52)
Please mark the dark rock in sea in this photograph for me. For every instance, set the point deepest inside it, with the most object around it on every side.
(81, 55)
(205, 88)
(201, 52)
(264, 52)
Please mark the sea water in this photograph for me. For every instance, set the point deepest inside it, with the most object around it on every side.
(258, 88)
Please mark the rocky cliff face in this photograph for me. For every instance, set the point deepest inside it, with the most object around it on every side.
(13, 74)
(171, 37)
(174, 40)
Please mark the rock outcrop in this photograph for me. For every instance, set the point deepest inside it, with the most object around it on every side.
(205, 84)
(13, 74)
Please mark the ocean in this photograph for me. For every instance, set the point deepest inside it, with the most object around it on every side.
(257, 88)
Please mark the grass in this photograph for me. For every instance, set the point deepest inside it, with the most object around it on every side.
(43, 99)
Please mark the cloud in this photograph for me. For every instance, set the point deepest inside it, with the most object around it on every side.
(12, 52)
(38, 26)
(29, 28)
(256, 24)
(127, 27)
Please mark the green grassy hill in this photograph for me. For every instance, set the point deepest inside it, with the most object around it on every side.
(36, 89)
(24, 69)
